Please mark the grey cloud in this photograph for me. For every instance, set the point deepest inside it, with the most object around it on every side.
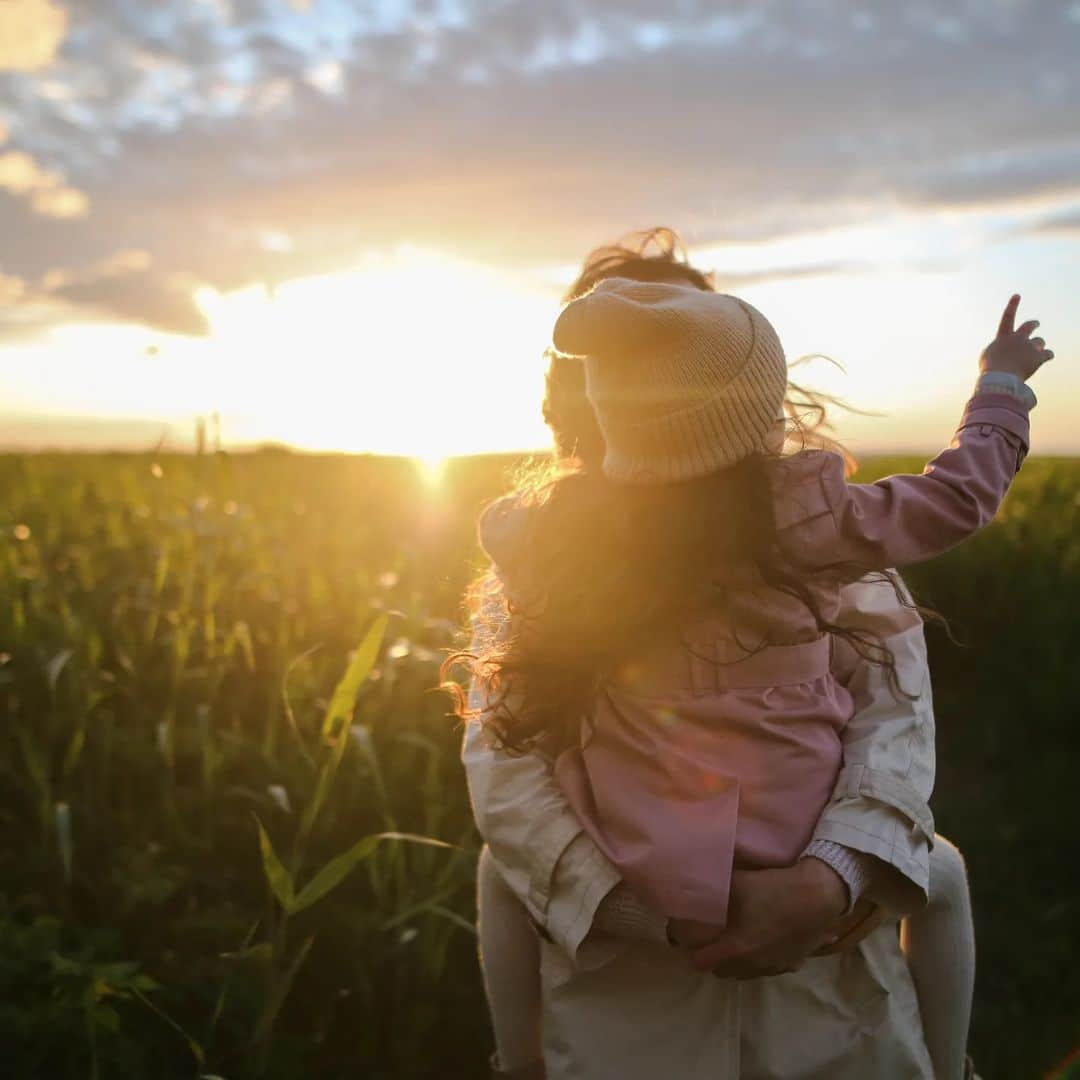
(1063, 224)
(122, 286)
(725, 280)
(997, 177)
(141, 296)
(748, 120)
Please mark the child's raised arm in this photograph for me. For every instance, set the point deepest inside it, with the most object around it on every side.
(825, 522)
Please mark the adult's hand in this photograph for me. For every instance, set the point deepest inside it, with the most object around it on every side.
(776, 919)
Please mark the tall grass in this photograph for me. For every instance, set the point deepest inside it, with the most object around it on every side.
(233, 826)
(194, 679)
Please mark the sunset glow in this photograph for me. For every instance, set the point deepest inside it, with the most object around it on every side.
(395, 355)
(420, 353)
(410, 353)
(348, 227)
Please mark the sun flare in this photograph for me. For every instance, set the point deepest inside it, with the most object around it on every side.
(413, 353)
(432, 470)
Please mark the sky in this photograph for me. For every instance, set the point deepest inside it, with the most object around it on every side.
(347, 225)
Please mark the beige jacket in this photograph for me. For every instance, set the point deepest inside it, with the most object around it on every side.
(629, 1010)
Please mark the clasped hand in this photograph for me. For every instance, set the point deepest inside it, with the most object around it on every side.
(776, 919)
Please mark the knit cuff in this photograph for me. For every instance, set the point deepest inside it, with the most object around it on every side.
(1005, 382)
(622, 915)
(855, 868)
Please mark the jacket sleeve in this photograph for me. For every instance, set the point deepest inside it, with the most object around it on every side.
(525, 819)
(825, 522)
(879, 803)
(523, 815)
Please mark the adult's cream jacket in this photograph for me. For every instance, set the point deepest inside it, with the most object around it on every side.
(626, 1010)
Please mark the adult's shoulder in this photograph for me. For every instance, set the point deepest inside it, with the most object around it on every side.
(880, 602)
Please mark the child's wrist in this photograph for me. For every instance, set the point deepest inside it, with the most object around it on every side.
(827, 886)
(855, 868)
(1006, 382)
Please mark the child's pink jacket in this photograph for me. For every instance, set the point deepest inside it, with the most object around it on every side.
(698, 758)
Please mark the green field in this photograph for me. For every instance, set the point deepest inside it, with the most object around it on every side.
(172, 630)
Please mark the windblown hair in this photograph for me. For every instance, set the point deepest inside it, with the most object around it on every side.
(594, 579)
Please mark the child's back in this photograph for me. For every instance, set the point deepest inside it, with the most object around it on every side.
(719, 745)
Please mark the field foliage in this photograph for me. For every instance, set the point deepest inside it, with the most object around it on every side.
(222, 765)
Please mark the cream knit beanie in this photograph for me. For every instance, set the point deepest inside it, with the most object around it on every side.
(683, 382)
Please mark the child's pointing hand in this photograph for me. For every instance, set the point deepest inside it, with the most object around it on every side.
(1015, 351)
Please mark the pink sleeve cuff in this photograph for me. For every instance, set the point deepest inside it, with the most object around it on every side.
(1001, 410)
(855, 867)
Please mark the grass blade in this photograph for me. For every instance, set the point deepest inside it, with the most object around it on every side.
(279, 879)
(344, 696)
(339, 868)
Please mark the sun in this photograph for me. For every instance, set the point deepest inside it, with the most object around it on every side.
(412, 353)
(432, 470)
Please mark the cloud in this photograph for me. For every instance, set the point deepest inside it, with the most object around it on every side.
(30, 33)
(60, 202)
(123, 286)
(1067, 223)
(328, 76)
(725, 280)
(12, 290)
(162, 302)
(116, 264)
(22, 176)
(997, 177)
(516, 133)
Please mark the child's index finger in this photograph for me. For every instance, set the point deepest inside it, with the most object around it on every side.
(1008, 316)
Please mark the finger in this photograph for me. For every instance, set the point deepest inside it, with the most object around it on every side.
(717, 953)
(1038, 342)
(1048, 355)
(1028, 327)
(1008, 316)
(710, 957)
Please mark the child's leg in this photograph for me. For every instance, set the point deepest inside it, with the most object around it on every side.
(510, 961)
(939, 942)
